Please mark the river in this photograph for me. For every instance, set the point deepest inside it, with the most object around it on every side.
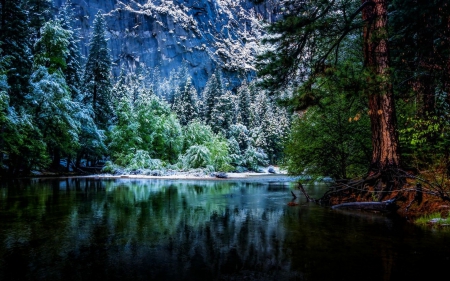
(140, 229)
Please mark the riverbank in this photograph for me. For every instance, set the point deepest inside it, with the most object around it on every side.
(244, 176)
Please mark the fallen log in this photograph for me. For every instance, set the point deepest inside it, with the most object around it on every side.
(385, 206)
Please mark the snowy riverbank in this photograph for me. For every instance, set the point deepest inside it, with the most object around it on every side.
(264, 175)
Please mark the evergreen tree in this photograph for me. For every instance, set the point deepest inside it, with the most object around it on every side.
(222, 115)
(185, 104)
(97, 81)
(308, 45)
(244, 101)
(91, 140)
(73, 69)
(39, 12)
(213, 89)
(16, 44)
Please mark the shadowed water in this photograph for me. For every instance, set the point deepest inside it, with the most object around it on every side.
(85, 229)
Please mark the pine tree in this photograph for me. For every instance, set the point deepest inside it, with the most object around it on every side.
(39, 12)
(16, 44)
(213, 90)
(308, 45)
(73, 69)
(222, 115)
(185, 103)
(97, 81)
(244, 101)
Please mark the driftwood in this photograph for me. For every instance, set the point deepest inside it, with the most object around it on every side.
(302, 189)
(385, 206)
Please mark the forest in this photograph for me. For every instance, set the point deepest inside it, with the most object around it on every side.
(346, 89)
(371, 80)
(62, 112)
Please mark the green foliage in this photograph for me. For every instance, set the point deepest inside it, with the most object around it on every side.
(332, 137)
(205, 148)
(97, 80)
(308, 37)
(16, 44)
(51, 49)
(197, 156)
(51, 105)
(253, 158)
(138, 159)
(434, 219)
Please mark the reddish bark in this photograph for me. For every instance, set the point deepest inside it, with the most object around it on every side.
(385, 145)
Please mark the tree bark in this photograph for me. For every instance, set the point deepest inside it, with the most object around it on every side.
(385, 144)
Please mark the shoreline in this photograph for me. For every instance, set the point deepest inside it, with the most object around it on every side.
(247, 176)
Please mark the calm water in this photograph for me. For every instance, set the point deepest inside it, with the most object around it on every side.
(84, 229)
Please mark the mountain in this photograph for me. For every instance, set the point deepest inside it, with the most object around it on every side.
(165, 34)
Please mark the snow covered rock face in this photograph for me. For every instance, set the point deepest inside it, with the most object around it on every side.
(164, 33)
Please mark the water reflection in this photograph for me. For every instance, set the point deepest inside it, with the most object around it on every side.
(78, 229)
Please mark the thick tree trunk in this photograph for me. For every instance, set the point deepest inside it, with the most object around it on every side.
(385, 145)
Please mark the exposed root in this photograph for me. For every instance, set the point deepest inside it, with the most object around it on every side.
(411, 195)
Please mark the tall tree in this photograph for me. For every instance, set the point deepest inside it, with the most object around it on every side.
(309, 43)
(16, 43)
(97, 76)
(50, 100)
(213, 89)
(385, 144)
(39, 12)
(91, 140)
(185, 103)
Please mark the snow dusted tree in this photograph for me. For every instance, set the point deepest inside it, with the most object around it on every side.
(50, 100)
(51, 49)
(244, 102)
(91, 140)
(53, 109)
(97, 80)
(16, 44)
(213, 89)
(185, 103)
(222, 115)
(39, 12)
(73, 69)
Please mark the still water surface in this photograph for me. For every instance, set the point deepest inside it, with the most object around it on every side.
(87, 229)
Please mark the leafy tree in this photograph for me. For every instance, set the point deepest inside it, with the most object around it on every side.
(420, 54)
(51, 49)
(97, 82)
(309, 41)
(51, 105)
(329, 139)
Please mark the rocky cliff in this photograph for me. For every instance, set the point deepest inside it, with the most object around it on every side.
(203, 34)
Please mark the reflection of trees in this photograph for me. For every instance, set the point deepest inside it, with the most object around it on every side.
(134, 229)
(173, 230)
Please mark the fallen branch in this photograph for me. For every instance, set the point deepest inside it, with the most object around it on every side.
(384, 206)
(302, 189)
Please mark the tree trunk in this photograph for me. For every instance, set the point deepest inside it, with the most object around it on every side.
(385, 145)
